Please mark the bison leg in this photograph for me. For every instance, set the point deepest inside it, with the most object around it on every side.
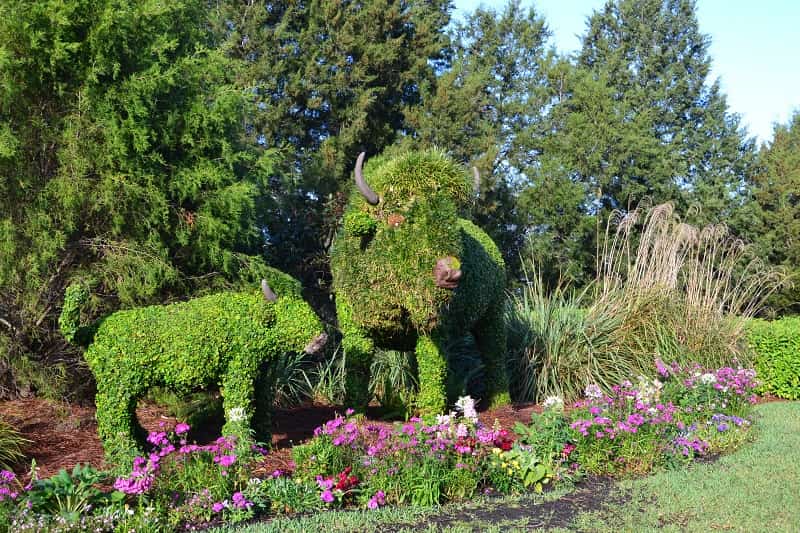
(490, 335)
(432, 365)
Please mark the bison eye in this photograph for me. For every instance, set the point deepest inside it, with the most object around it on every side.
(395, 220)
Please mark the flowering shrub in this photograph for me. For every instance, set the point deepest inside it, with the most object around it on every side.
(632, 428)
(418, 462)
(637, 427)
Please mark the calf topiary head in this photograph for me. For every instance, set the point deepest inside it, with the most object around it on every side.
(397, 260)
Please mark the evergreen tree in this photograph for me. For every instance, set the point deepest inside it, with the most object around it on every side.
(329, 80)
(776, 193)
(122, 161)
(639, 119)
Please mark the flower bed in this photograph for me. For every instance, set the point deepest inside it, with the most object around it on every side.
(350, 462)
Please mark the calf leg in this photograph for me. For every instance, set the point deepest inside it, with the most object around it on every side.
(359, 350)
(238, 395)
(117, 425)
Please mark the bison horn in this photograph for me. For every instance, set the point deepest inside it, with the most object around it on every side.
(362, 185)
(268, 293)
(476, 176)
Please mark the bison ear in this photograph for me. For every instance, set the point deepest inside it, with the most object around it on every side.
(268, 293)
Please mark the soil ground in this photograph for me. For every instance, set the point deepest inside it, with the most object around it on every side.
(63, 435)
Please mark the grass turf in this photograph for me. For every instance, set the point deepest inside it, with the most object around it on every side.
(753, 489)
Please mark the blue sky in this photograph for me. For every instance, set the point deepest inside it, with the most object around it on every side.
(755, 50)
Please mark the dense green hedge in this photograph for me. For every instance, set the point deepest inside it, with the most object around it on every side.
(777, 347)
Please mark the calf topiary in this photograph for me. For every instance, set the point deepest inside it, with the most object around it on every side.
(218, 339)
(409, 273)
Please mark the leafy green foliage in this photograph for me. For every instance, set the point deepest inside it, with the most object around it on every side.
(386, 292)
(122, 161)
(217, 339)
(777, 354)
(70, 495)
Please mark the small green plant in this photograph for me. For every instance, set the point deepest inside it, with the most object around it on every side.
(560, 341)
(286, 495)
(70, 495)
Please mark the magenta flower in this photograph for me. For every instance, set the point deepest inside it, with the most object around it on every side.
(182, 428)
(218, 507)
(327, 496)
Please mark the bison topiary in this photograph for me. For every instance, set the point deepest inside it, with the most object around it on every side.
(220, 339)
(410, 273)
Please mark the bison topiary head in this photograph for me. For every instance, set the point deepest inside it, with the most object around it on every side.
(397, 260)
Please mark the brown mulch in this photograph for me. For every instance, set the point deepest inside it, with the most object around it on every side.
(62, 435)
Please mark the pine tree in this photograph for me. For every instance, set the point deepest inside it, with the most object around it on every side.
(776, 193)
(329, 80)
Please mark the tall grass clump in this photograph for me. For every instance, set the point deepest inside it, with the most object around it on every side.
(11, 446)
(680, 292)
(664, 289)
(559, 342)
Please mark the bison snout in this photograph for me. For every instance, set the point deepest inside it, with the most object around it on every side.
(316, 345)
(447, 273)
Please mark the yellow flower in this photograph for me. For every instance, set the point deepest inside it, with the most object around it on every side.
(515, 463)
(496, 451)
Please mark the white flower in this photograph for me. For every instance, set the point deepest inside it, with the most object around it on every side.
(708, 379)
(443, 420)
(593, 391)
(236, 414)
(555, 403)
(466, 405)
(461, 431)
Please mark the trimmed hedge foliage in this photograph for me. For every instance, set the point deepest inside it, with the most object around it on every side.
(219, 339)
(777, 347)
(386, 296)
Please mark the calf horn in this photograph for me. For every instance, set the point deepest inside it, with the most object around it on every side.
(268, 293)
(362, 185)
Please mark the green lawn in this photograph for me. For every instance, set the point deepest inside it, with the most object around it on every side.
(757, 488)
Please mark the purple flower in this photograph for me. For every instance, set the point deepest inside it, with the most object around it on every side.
(722, 427)
(182, 428)
(217, 507)
(327, 496)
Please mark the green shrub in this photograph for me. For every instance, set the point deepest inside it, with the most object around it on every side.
(777, 351)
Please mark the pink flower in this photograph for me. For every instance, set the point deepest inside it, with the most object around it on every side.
(327, 496)
(217, 507)
(182, 428)
(377, 500)
(225, 460)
